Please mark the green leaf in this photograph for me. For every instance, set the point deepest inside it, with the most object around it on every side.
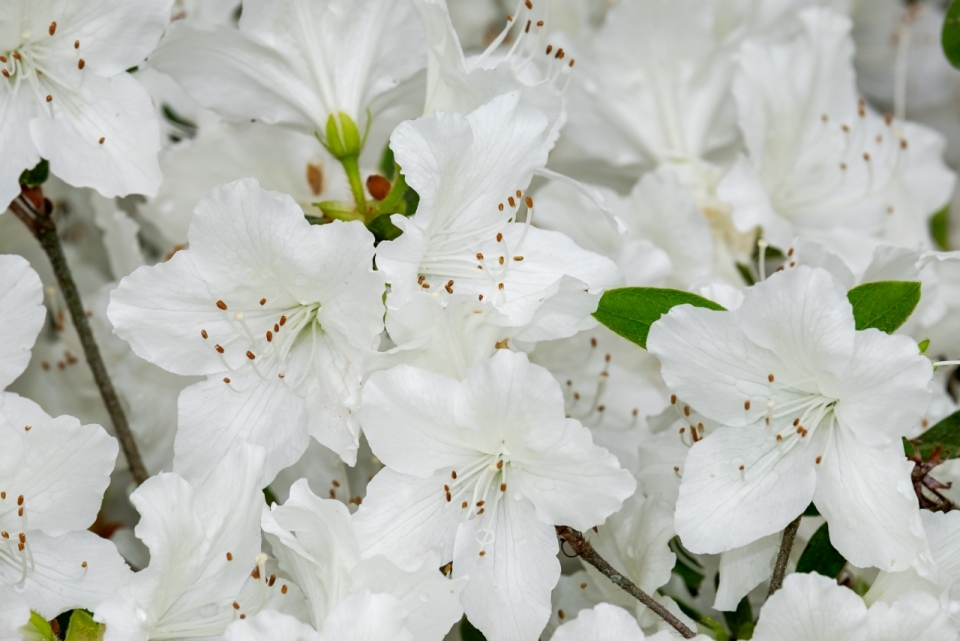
(84, 628)
(811, 510)
(470, 633)
(885, 305)
(630, 311)
(820, 556)
(740, 621)
(38, 629)
(923, 345)
(946, 434)
(36, 176)
(950, 37)
(387, 165)
(940, 229)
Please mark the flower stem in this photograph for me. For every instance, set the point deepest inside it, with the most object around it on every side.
(351, 164)
(780, 569)
(585, 551)
(32, 210)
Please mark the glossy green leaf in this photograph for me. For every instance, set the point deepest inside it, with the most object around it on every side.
(84, 628)
(820, 555)
(630, 311)
(885, 305)
(36, 176)
(950, 37)
(946, 434)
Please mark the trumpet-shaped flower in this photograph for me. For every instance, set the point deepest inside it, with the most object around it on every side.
(479, 472)
(810, 409)
(65, 95)
(278, 314)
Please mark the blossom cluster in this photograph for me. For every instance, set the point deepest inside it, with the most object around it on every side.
(442, 320)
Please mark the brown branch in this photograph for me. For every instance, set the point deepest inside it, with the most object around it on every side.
(786, 544)
(35, 212)
(581, 546)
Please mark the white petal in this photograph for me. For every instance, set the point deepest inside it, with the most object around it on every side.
(116, 110)
(574, 482)
(367, 617)
(867, 497)
(213, 416)
(744, 568)
(270, 625)
(404, 518)
(19, 150)
(721, 507)
(76, 570)
(812, 607)
(21, 315)
(605, 622)
(913, 616)
(508, 592)
(14, 613)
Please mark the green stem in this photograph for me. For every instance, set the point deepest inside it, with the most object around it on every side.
(351, 164)
(44, 228)
(389, 204)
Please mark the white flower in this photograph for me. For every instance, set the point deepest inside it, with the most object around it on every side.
(297, 62)
(607, 622)
(812, 607)
(204, 540)
(810, 410)
(314, 542)
(471, 173)
(278, 314)
(65, 96)
(53, 472)
(359, 617)
(479, 472)
(820, 164)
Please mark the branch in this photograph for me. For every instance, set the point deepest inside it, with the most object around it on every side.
(780, 569)
(32, 209)
(586, 552)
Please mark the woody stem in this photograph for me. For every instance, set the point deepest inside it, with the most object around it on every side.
(585, 551)
(39, 220)
(786, 544)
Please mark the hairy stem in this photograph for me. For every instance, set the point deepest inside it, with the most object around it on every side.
(32, 210)
(780, 569)
(585, 551)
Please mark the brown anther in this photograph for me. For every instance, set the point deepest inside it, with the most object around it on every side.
(746, 405)
(824, 117)
(256, 573)
(449, 287)
(203, 333)
(479, 256)
(236, 606)
(283, 589)
(17, 56)
(741, 468)
(4, 535)
(480, 511)
(81, 64)
(539, 23)
(683, 430)
(20, 500)
(767, 420)
(480, 503)
(271, 580)
(421, 279)
(500, 286)
(6, 74)
(449, 497)
(446, 488)
(528, 4)
(20, 546)
(819, 458)
(283, 321)
(219, 349)
(27, 428)
(500, 260)
(378, 186)
(866, 156)
(845, 128)
(269, 336)
(20, 511)
(779, 438)
(229, 556)
(76, 44)
(513, 203)
(499, 237)
(480, 297)
(500, 206)
(526, 29)
(463, 505)
(796, 421)
(673, 399)
(843, 166)
(3, 495)
(335, 483)
(790, 252)
(22, 537)
(226, 379)
(276, 328)
(888, 118)
(250, 355)
(243, 616)
(49, 98)
(549, 49)
(903, 143)
(770, 377)
(503, 487)
(84, 564)
(686, 410)
(635, 412)
(53, 28)
(482, 552)
(263, 301)
(3, 58)
(453, 474)
(222, 305)
(571, 62)
(332, 493)
(102, 140)
(561, 614)
(499, 465)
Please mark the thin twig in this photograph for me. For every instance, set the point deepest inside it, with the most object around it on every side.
(786, 544)
(581, 546)
(31, 208)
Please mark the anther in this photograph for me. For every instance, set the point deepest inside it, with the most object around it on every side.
(226, 379)
(866, 156)
(463, 505)
(6, 74)
(796, 421)
(529, 4)
(256, 573)
(500, 206)
(819, 458)
(20, 500)
(203, 333)
(500, 260)
(222, 305)
(84, 564)
(102, 140)
(479, 257)
(236, 606)
(500, 286)
(746, 405)
(229, 556)
(76, 44)
(499, 465)
(539, 23)
(3, 495)
(283, 321)
(571, 62)
(53, 28)
(276, 328)
(218, 348)
(686, 410)
(480, 503)
(17, 56)
(250, 355)
(549, 49)
(453, 474)
(263, 301)
(49, 98)
(673, 399)
(526, 29)
(81, 64)
(770, 377)
(269, 336)
(4, 535)
(741, 468)
(449, 497)
(482, 552)
(271, 580)
(513, 203)
(283, 589)
(845, 128)
(903, 143)
(336, 483)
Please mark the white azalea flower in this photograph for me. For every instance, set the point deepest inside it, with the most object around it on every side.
(53, 472)
(812, 607)
(820, 164)
(297, 62)
(810, 410)
(278, 314)
(65, 95)
(471, 173)
(204, 540)
(479, 472)
(359, 617)
(607, 622)
(314, 542)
